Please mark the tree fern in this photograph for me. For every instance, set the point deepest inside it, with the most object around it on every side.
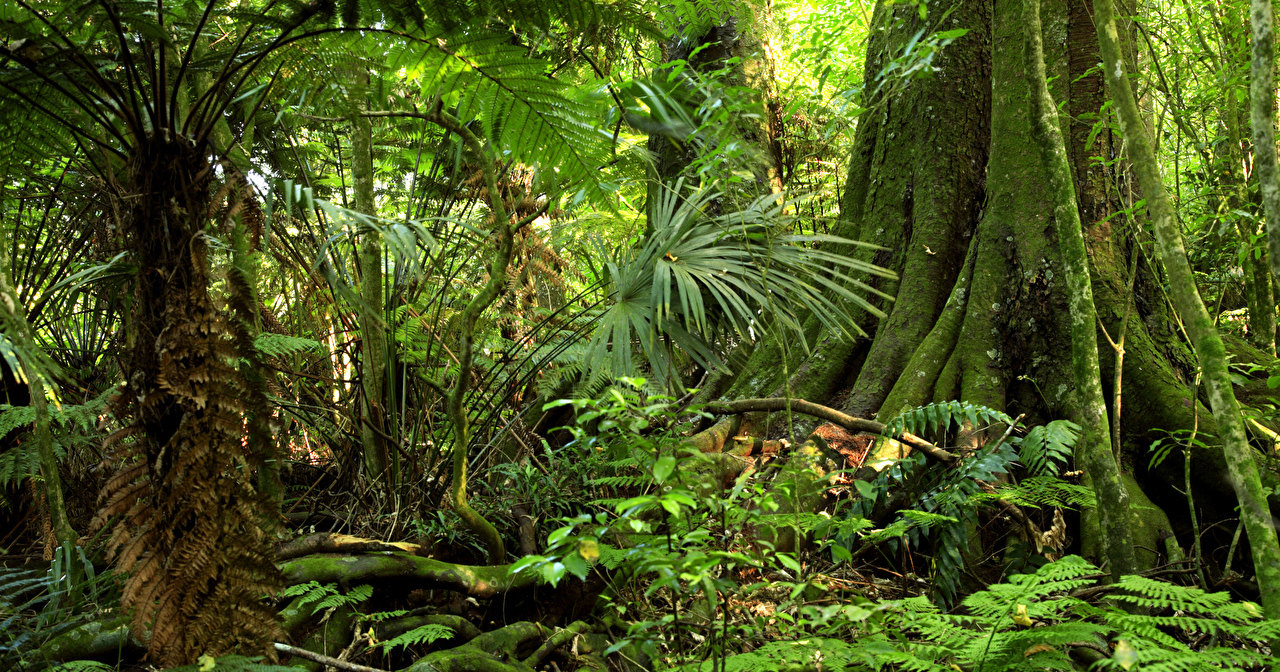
(482, 77)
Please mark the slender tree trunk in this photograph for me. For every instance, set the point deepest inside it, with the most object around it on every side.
(1093, 449)
(378, 458)
(1262, 112)
(1186, 298)
(504, 233)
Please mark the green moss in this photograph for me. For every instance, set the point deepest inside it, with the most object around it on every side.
(1148, 527)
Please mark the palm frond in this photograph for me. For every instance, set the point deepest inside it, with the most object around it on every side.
(698, 277)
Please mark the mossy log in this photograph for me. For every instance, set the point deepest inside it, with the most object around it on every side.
(476, 581)
(95, 640)
(328, 542)
(494, 651)
(463, 629)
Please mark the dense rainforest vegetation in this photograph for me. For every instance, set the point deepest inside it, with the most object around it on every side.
(514, 335)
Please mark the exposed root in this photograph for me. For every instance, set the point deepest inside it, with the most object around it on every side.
(476, 581)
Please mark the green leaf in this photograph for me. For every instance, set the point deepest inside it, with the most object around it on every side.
(663, 468)
(559, 535)
(576, 564)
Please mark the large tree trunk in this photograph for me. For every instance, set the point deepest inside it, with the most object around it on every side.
(941, 162)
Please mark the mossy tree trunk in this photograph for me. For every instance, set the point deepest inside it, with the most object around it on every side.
(1243, 469)
(947, 177)
(1093, 449)
(915, 186)
(378, 456)
(1262, 116)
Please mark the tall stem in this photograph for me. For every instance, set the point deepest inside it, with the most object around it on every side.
(1242, 468)
(505, 233)
(378, 458)
(1093, 450)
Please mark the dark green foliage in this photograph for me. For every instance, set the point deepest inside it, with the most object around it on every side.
(946, 500)
(37, 606)
(1031, 622)
(698, 276)
(233, 663)
(282, 345)
(74, 427)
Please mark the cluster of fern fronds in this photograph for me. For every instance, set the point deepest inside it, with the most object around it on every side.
(1062, 616)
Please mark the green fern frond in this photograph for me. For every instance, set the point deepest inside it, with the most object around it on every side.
(939, 416)
(512, 100)
(283, 345)
(327, 596)
(13, 417)
(1039, 491)
(1046, 447)
(82, 666)
(424, 634)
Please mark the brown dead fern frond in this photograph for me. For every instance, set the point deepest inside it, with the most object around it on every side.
(188, 521)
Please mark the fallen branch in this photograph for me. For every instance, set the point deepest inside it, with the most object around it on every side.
(849, 422)
(327, 542)
(323, 659)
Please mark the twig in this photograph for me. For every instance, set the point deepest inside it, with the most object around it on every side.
(324, 660)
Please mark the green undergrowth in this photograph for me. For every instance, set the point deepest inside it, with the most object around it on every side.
(1059, 618)
(698, 584)
(699, 576)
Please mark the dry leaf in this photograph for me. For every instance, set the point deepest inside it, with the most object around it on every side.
(1020, 616)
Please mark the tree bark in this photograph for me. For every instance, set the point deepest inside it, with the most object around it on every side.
(1262, 106)
(378, 457)
(991, 326)
(1093, 448)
